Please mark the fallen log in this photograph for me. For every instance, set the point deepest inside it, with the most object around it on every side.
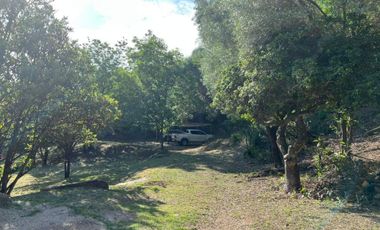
(86, 184)
(372, 131)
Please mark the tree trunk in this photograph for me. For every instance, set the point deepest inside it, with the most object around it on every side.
(7, 171)
(281, 139)
(350, 136)
(344, 136)
(7, 168)
(292, 173)
(67, 169)
(346, 133)
(13, 184)
(275, 150)
(157, 136)
(68, 154)
(24, 169)
(162, 139)
(6, 174)
(45, 157)
(162, 143)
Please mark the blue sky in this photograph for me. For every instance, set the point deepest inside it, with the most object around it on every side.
(112, 20)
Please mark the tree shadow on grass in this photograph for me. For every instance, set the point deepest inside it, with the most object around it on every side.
(372, 213)
(131, 201)
(128, 204)
(117, 169)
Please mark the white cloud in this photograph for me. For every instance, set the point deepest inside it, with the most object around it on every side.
(112, 20)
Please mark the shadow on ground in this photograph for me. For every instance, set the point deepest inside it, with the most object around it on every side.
(116, 168)
(116, 206)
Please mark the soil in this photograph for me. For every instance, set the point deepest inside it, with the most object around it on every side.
(46, 218)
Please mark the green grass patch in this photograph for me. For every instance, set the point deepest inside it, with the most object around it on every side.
(183, 189)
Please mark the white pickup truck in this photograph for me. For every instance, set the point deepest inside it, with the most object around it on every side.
(190, 135)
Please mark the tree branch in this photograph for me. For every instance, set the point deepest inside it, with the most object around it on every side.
(317, 6)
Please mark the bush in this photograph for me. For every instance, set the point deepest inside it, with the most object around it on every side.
(236, 138)
(341, 176)
(254, 139)
(259, 155)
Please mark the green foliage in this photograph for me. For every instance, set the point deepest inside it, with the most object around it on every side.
(323, 157)
(252, 137)
(157, 71)
(219, 49)
(48, 94)
(339, 176)
(35, 60)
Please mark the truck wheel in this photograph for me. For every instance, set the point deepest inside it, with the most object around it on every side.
(184, 142)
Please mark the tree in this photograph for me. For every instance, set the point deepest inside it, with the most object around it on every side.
(38, 68)
(285, 58)
(80, 110)
(351, 61)
(33, 57)
(115, 79)
(157, 70)
(80, 120)
(219, 47)
(107, 61)
(223, 46)
(189, 95)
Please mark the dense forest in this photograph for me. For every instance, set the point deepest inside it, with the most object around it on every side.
(291, 79)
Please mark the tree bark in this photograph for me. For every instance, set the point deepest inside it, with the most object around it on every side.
(161, 139)
(6, 174)
(162, 143)
(292, 173)
(67, 164)
(7, 168)
(281, 139)
(346, 133)
(344, 136)
(67, 168)
(350, 135)
(13, 184)
(161, 136)
(275, 150)
(45, 156)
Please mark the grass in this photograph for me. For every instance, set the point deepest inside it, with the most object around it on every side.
(186, 189)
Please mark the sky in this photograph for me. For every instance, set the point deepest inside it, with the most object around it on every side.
(113, 20)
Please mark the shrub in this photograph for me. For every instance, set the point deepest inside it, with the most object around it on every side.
(341, 176)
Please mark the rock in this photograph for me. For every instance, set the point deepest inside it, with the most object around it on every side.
(5, 200)
(377, 197)
(377, 189)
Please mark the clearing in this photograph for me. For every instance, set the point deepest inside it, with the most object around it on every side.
(207, 187)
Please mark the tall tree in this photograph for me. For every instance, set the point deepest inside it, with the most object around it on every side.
(157, 70)
(39, 68)
(33, 59)
(285, 59)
